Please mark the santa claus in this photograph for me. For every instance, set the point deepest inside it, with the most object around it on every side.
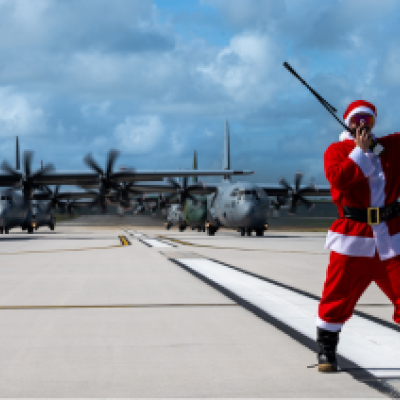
(365, 240)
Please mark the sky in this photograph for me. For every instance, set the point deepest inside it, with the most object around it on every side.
(158, 79)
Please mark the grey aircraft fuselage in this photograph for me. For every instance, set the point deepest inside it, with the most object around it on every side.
(175, 216)
(15, 212)
(242, 205)
(41, 216)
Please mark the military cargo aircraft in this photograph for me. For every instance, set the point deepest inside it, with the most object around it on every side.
(244, 206)
(112, 186)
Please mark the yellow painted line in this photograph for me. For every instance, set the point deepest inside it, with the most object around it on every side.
(238, 248)
(75, 306)
(124, 241)
(61, 250)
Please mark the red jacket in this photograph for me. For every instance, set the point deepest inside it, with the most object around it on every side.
(364, 180)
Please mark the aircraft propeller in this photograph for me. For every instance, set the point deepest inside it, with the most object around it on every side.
(106, 177)
(27, 179)
(295, 193)
(277, 204)
(184, 190)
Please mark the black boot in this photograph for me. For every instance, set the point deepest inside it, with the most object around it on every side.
(327, 343)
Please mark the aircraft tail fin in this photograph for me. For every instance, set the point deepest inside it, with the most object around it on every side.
(227, 152)
(17, 160)
(195, 178)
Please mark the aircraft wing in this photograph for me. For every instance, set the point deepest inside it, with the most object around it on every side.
(65, 195)
(203, 189)
(279, 190)
(7, 180)
(193, 189)
(91, 179)
(68, 178)
(152, 189)
(131, 176)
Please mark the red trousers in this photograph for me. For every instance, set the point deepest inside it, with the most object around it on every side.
(348, 277)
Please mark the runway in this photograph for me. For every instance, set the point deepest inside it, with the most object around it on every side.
(119, 307)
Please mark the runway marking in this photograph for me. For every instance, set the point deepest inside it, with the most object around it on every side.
(133, 233)
(155, 243)
(145, 243)
(365, 342)
(73, 306)
(124, 241)
(238, 248)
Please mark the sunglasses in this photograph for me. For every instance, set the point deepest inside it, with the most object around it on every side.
(367, 118)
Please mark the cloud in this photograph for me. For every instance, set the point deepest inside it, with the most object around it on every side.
(139, 134)
(243, 14)
(18, 116)
(99, 74)
(244, 68)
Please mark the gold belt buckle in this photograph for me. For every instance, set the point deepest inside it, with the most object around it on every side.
(369, 211)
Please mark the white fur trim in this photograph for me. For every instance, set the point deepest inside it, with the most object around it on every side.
(359, 110)
(359, 157)
(377, 182)
(345, 135)
(329, 326)
(356, 246)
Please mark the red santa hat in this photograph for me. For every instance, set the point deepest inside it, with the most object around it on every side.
(358, 107)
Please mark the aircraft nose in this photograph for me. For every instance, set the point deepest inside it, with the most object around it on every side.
(251, 215)
(247, 212)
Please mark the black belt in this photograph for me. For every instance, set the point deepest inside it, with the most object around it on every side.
(372, 215)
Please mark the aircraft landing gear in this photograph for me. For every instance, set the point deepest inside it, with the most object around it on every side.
(51, 227)
(242, 231)
(259, 232)
(182, 227)
(248, 232)
(168, 226)
(6, 230)
(30, 229)
(1, 230)
(211, 230)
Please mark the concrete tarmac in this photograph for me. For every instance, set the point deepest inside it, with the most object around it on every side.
(85, 316)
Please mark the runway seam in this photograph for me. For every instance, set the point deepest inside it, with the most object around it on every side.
(371, 381)
(80, 306)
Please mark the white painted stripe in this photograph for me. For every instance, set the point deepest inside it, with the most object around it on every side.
(137, 234)
(156, 243)
(368, 344)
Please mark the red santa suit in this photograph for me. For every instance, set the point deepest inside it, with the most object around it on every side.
(361, 253)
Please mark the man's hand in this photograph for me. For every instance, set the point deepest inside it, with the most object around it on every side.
(363, 137)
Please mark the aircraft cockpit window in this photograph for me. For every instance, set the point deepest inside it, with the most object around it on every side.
(5, 198)
(247, 194)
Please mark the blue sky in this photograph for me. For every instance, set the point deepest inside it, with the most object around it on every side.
(158, 79)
